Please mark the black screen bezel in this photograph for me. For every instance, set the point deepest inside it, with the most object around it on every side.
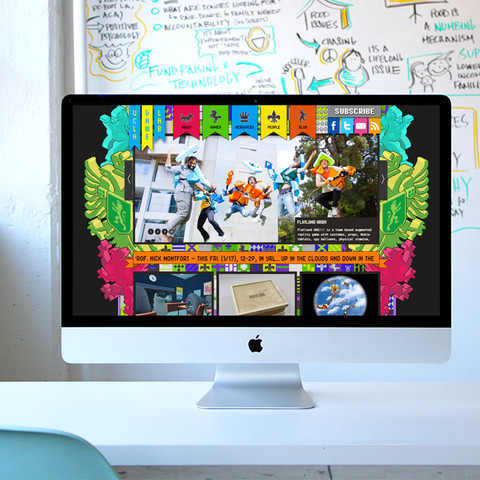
(69, 240)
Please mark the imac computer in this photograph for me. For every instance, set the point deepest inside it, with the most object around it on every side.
(256, 233)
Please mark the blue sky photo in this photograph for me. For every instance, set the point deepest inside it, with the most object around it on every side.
(340, 296)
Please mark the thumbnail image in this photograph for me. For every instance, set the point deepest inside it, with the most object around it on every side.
(344, 177)
(256, 294)
(212, 190)
(339, 194)
(340, 295)
(173, 294)
(330, 294)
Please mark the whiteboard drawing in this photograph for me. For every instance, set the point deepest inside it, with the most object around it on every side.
(352, 74)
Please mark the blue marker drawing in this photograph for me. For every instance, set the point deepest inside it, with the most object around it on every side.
(260, 69)
(465, 228)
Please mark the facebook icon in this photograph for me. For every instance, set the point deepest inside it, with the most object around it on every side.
(347, 125)
(333, 125)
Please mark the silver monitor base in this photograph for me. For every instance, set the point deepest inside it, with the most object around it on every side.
(258, 385)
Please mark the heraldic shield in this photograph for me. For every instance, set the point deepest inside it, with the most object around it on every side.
(119, 213)
(393, 213)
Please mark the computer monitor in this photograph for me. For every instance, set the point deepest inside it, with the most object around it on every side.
(257, 233)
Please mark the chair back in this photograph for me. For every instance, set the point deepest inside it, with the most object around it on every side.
(40, 454)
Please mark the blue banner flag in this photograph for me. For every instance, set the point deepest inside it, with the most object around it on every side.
(244, 120)
(135, 126)
(159, 122)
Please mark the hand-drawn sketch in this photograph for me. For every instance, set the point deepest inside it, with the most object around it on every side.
(325, 13)
(257, 39)
(431, 73)
(419, 74)
(352, 74)
(113, 57)
(440, 65)
(414, 3)
(114, 32)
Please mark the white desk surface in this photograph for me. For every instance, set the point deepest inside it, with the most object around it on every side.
(157, 423)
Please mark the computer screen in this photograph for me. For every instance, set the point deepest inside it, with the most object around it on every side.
(233, 215)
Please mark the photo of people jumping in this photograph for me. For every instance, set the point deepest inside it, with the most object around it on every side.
(186, 183)
(342, 180)
(250, 190)
(213, 190)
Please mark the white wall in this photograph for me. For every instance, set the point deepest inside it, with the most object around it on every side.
(36, 67)
(32, 85)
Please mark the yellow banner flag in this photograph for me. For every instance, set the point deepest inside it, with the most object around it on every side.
(273, 119)
(147, 126)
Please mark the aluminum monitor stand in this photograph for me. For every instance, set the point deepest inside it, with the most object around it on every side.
(258, 385)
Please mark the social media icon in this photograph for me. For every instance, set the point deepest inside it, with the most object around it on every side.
(333, 125)
(361, 125)
(374, 126)
(346, 125)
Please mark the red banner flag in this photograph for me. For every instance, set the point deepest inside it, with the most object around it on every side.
(186, 119)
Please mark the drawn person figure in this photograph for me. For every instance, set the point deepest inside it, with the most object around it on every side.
(260, 195)
(440, 65)
(286, 199)
(352, 74)
(238, 198)
(330, 179)
(207, 211)
(419, 72)
(183, 195)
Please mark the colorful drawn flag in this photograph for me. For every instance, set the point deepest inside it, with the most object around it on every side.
(134, 133)
(186, 119)
(191, 267)
(273, 119)
(159, 122)
(303, 120)
(147, 126)
(245, 120)
(215, 120)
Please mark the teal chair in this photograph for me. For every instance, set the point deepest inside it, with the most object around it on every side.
(39, 454)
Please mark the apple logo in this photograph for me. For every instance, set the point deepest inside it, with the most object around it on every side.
(255, 344)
